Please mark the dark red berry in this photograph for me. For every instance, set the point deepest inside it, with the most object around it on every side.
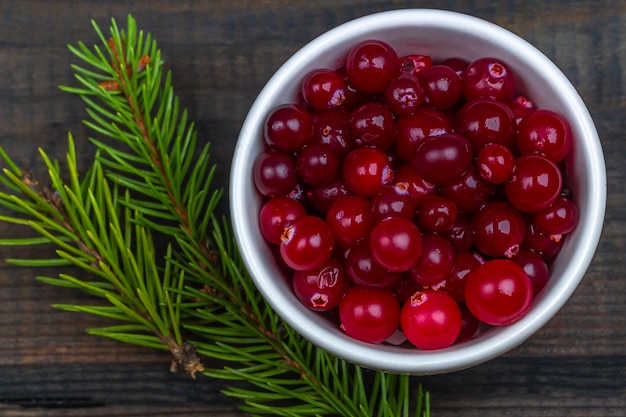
(322, 288)
(371, 65)
(288, 128)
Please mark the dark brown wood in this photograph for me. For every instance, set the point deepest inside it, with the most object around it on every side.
(221, 53)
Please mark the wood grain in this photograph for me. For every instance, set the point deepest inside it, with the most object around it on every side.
(221, 53)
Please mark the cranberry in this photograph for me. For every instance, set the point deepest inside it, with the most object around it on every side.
(543, 244)
(464, 263)
(350, 219)
(331, 128)
(535, 184)
(469, 324)
(469, 191)
(498, 292)
(322, 197)
(276, 214)
(372, 124)
(489, 77)
(404, 94)
(521, 106)
(393, 200)
(415, 63)
(495, 163)
(424, 122)
(371, 65)
(323, 89)
(442, 158)
(366, 171)
(484, 121)
(317, 164)
(369, 315)
(274, 173)
(442, 86)
(558, 219)
(431, 320)
(395, 243)
(459, 65)
(535, 267)
(461, 234)
(307, 243)
(362, 268)
(437, 213)
(499, 229)
(418, 187)
(546, 132)
(288, 128)
(321, 289)
(435, 261)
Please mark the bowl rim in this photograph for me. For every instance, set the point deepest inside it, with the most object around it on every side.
(389, 358)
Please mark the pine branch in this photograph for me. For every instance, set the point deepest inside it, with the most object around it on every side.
(150, 177)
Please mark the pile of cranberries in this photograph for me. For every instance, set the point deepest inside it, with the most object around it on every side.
(406, 195)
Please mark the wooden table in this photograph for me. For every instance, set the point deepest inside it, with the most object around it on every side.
(221, 53)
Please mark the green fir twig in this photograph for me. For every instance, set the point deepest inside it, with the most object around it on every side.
(151, 181)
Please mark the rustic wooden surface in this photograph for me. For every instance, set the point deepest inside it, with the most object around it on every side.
(222, 52)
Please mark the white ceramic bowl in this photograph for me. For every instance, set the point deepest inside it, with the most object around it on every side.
(440, 34)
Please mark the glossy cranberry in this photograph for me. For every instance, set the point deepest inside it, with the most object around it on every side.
(354, 97)
(558, 219)
(544, 245)
(366, 171)
(369, 315)
(521, 106)
(371, 65)
(461, 234)
(321, 198)
(317, 164)
(395, 243)
(535, 184)
(435, 262)
(442, 158)
(299, 194)
(373, 125)
(404, 94)
(464, 263)
(321, 289)
(274, 173)
(323, 89)
(418, 188)
(484, 121)
(498, 292)
(431, 320)
(276, 214)
(442, 86)
(350, 219)
(499, 229)
(413, 64)
(424, 122)
(331, 128)
(469, 191)
(405, 287)
(307, 243)
(437, 214)
(459, 65)
(469, 325)
(489, 77)
(393, 201)
(535, 267)
(288, 128)
(362, 268)
(546, 132)
(495, 163)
